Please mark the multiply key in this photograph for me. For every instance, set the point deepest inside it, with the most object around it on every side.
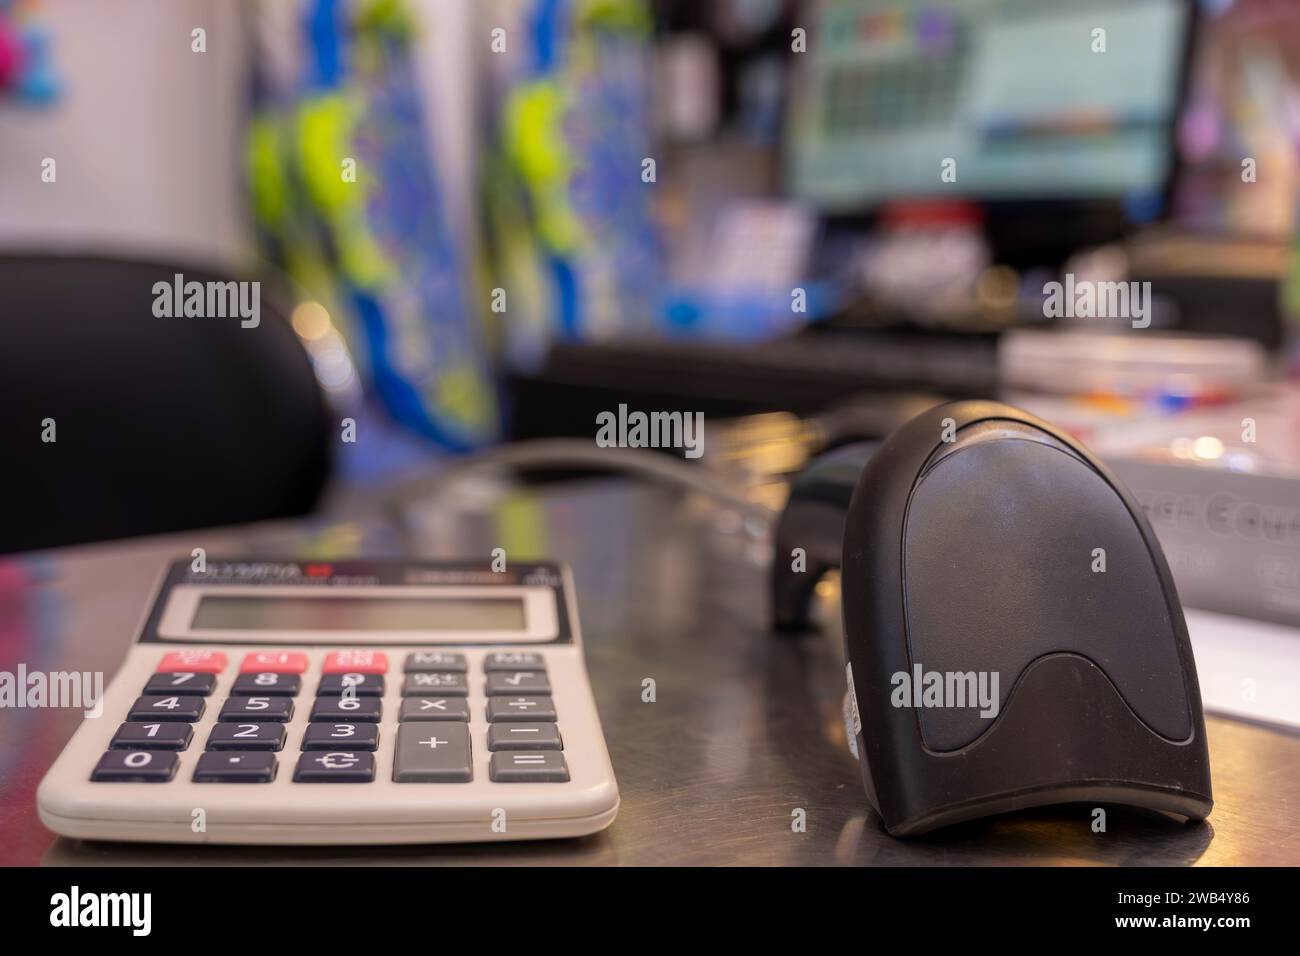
(434, 708)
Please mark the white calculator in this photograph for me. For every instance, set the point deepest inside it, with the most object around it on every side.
(348, 702)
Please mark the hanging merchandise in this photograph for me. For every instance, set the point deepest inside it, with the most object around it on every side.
(348, 201)
(26, 61)
(570, 193)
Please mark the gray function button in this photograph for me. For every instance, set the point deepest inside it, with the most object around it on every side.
(443, 685)
(435, 661)
(435, 708)
(432, 753)
(514, 661)
(525, 767)
(512, 736)
(537, 709)
(503, 683)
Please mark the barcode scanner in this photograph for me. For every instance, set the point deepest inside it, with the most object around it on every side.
(1012, 632)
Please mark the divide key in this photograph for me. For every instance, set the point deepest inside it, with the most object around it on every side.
(537, 709)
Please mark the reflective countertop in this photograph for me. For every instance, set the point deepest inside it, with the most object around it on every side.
(744, 732)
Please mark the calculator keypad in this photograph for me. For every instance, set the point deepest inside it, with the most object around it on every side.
(433, 742)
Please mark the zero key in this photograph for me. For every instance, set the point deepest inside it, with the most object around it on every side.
(136, 766)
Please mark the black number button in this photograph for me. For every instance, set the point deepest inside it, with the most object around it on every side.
(184, 710)
(362, 685)
(358, 736)
(181, 682)
(136, 766)
(266, 685)
(347, 709)
(246, 737)
(256, 709)
(152, 736)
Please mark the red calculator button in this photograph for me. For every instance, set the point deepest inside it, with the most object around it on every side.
(274, 662)
(355, 662)
(193, 662)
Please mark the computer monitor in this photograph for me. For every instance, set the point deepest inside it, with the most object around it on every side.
(1029, 99)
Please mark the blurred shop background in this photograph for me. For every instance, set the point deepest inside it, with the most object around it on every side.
(478, 222)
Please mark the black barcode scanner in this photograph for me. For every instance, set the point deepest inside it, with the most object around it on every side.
(1013, 635)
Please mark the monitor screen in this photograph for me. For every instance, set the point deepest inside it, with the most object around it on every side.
(1030, 99)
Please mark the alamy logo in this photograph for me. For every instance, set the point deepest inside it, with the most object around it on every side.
(626, 429)
(75, 908)
(923, 688)
(1082, 299)
(36, 689)
(208, 300)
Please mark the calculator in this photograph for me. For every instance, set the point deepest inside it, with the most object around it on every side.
(349, 702)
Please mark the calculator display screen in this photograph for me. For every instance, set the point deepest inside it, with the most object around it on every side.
(252, 613)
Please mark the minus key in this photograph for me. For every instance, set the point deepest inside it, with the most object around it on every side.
(521, 736)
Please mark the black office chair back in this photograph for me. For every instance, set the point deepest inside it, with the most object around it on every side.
(158, 424)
